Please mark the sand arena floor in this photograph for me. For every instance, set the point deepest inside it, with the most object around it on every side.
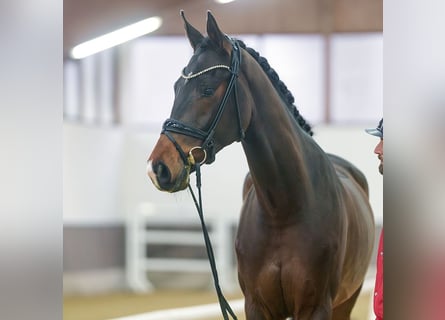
(106, 306)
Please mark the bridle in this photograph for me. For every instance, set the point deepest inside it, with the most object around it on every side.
(208, 146)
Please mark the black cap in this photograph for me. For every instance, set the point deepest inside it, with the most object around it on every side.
(378, 132)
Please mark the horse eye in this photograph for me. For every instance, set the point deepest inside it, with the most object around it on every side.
(208, 92)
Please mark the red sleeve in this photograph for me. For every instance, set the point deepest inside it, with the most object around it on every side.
(378, 290)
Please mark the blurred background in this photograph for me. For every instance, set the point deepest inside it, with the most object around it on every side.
(123, 239)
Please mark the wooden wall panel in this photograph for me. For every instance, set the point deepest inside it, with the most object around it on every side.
(358, 15)
(85, 19)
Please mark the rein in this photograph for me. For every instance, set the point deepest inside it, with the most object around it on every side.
(225, 307)
(208, 147)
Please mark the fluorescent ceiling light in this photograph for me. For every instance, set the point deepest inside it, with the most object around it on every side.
(116, 37)
(224, 1)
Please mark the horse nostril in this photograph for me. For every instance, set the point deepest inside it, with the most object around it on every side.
(162, 173)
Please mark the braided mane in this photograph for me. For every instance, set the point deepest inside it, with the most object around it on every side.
(280, 86)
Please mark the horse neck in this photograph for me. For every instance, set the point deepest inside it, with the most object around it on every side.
(275, 149)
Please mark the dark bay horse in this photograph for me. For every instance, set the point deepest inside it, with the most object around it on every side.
(306, 230)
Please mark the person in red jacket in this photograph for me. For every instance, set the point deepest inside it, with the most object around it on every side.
(378, 289)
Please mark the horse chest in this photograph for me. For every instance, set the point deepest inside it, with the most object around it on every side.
(272, 257)
(263, 254)
(269, 243)
(271, 272)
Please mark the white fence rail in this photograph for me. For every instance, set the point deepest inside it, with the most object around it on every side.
(154, 226)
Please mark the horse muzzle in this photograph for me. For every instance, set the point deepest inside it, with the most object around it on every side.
(166, 169)
(163, 179)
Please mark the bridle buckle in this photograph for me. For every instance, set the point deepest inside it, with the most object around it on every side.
(197, 153)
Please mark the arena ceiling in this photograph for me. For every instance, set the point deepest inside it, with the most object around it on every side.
(86, 19)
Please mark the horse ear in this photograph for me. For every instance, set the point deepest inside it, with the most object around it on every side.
(215, 33)
(194, 36)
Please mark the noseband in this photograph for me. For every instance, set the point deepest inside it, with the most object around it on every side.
(208, 145)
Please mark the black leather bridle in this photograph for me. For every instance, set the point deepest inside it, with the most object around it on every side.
(208, 146)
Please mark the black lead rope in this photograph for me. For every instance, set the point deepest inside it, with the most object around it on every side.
(225, 307)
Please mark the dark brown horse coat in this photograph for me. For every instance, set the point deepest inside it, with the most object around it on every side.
(306, 229)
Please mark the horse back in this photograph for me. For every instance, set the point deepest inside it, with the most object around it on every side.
(357, 175)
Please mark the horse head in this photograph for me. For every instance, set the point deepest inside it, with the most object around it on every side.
(206, 114)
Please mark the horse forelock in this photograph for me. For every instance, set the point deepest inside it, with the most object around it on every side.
(279, 85)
